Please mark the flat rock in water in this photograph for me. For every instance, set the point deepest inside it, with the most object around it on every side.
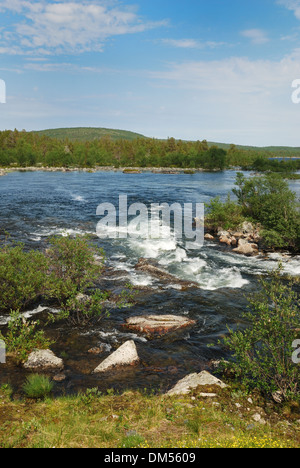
(191, 381)
(43, 359)
(126, 355)
(157, 324)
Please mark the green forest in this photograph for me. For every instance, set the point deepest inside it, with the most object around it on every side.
(26, 149)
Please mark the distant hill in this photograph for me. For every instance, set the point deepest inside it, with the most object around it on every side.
(279, 150)
(88, 134)
(91, 133)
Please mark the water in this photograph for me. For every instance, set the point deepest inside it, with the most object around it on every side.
(37, 205)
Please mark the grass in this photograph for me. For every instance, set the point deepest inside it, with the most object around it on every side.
(37, 386)
(136, 419)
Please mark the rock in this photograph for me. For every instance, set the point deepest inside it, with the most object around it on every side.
(97, 350)
(125, 355)
(234, 242)
(208, 395)
(223, 233)
(146, 266)
(208, 237)
(277, 397)
(225, 240)
(191, 381)
(247, 227)
(257, 418)
(244, 248)
(238, 235)
(59, 378)
(157, 324)
(43, 359)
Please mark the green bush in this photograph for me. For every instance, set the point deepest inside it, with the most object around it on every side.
(23, 277)
(37, 386)
(23, 337)
(269, 201)
(262, 352)
(72, 266)
(227, 215)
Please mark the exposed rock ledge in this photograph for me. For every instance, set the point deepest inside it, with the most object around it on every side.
(157, 324)
(192, 381)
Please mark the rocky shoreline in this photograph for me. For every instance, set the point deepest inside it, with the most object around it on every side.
(244, 241)
(125, 170)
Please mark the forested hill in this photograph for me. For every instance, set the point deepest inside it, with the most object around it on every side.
(88, 134)
(88, 147)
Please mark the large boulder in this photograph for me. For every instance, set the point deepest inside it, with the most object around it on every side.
(125, 355)
(43, 360)
(157, 324)
(192, 381)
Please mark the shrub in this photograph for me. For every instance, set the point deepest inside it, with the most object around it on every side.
(227, 215)
(269, 201)
(263, 351)
(22, 277)
(37, 386)
(72, 266)
(22, 337)
(83, 309)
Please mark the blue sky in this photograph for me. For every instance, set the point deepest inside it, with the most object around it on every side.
(220, 70)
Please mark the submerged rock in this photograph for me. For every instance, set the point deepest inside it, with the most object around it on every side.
(146, 266)
(191, 381)
(157, 324)
(43, 359)
(126, 355)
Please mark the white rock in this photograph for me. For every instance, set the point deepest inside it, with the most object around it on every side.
(43, 359)
(191, 381)
(126, 355)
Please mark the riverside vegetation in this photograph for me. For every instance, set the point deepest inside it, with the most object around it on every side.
(268, 203)
(88, 148)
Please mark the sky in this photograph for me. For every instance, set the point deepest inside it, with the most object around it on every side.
(220, 70)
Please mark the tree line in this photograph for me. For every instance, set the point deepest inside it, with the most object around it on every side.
(25, 149)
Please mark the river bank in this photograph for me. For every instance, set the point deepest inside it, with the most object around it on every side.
(140, 420)
(125, 169)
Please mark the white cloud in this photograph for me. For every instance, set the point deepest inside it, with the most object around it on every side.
(191, 43)
(293, 5)
(256, 36)
(233, 99)
(70, 26)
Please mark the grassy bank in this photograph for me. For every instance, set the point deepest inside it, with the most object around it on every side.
(134, 419)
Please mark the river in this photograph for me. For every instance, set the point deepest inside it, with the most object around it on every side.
(36, 205)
